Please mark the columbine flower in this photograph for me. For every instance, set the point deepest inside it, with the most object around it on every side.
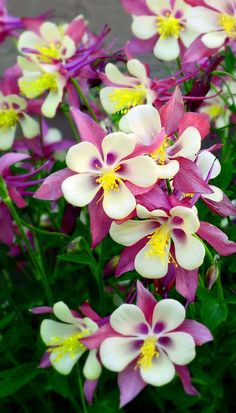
(158, 230)
(51, 44)
(210, 168)
(39, 78)
(144, 121)
(106, 170)
(64, 341)
(167, 23)
(216, 25)
(12, 112)
(127, 91)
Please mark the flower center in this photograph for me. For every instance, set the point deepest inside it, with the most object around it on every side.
(148, 352)
(68, 346)
(35, 87)
(52, 51)
(159, 241)
(168, 26)
(214, 111)
(160, 153)
(109, 180)
(8, 118)
(228, 23)
(125, 98)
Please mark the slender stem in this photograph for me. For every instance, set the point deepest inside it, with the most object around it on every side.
(168, 186)
(81, 391)
(83, 98)
(72, 125)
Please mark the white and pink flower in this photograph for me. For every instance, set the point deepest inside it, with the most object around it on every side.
(125, 91)
(153, 235)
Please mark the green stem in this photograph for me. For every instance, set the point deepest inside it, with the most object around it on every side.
(72, 125)
(38, 268)
(168, 186)
(81, 391)
(83, 98)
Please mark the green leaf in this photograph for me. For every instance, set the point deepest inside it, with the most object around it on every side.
(13, 379)
(75, 257)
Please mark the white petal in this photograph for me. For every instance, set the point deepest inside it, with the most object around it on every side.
(51, 103)
(29, 126)
(190, 220)
(28, 65)
(207, 162)
(137, 69)
(161, 371)
(79, 190)
(131, 231)
(188, 36)
(144, 121)
(50, 329)
(187, 145)
(105, 96)
(144, 213)
(63, 313)
(82, 158)
(150, 266)
(92, 368)
(189, 251)
(181, 349)
(119, 145)
(216, 196)
(116, 77)
(119, 204)
(158, 6)
(202, 20)
(50, 32)
(68, 47)
(117, 352)
(30, 40)
(16, 101)
(140, 171)
(167, 49)
(169, 312)
(64, 364)
(7, 138)
(221, 5)
(126, 319)
(214, 39)
(169, 170)
(144, 27)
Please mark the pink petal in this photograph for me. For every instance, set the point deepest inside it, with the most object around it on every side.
(145, 301)
(127, 257)
(10, 159)
(76, 30)
(136, 7)
(198, 331)
(17, 198)
(197, 51)
(223, 208)
(41, 310)
(89, 390)
(99, 222)
(50, 189)
(157, 199)
(130, 384)
(93, 342)
(172, 112)
(86, 310)
(216, 238)
(186, 282)
(45, 361)
(89, 130)
(200, 121)
(189, 178)
(136, 46)
(184, 375)
(6, 225)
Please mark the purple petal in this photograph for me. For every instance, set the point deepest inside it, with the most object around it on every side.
(186, 282)
(172, 112)
(130, 384)
(7, 232)
(93, 342)
(136, 7)
(89, 130)
(99, 222)
(89, 389)
(189, 178)
(198, 331)
(10, 159)
(89, 312)
(45, 361)
(157, 199)
(184, 375)
(216, 238)
(41, 310)
(223, 208)
(50, 190)
(16, 197)
(145, 301)
(76, 29)
(197, 51)
(136, 46)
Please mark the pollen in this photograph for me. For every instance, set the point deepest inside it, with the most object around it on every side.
(159, 240)
(109, 180)
(160, 153)
(148, 352)
(228, 23)
(67, 346)
(168, 26)
(49, 52)
(126, 99)
(8, 118)
(35, 87)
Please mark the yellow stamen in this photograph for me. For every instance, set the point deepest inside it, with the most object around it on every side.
(168, 26)
(52, 51)
(160, 153)
(228, 23)
(214, 111)
(188, 194)
(159, 241)
(33, 88)
(148, 352)
(109, 180)
(125, 98)
(67, 346)
(8, 118)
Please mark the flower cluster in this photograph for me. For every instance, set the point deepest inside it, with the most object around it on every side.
(136, 176)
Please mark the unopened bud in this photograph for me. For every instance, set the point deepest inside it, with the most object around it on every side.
(212, 275)
(110, 267)
(78, 244)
